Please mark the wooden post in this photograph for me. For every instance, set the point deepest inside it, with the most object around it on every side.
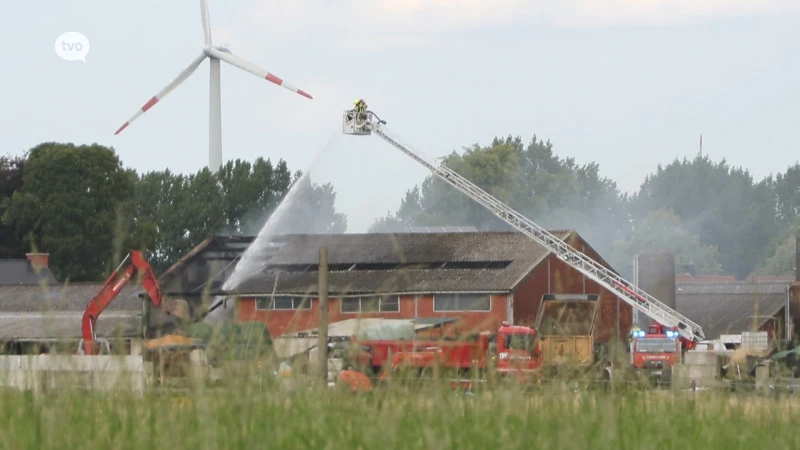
(323, 313)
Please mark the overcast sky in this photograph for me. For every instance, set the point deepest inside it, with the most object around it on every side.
(627, 83)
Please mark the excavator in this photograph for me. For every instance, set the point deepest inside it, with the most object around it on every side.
(113, 285)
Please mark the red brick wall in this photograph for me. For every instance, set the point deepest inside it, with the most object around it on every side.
(280, 322)
(562, 279)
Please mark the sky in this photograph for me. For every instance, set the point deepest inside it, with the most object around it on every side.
(629, 84)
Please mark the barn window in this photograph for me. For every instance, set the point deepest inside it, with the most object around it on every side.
(367, 304)
(462, 302)
(351, 305)
(390, 304)
(283, 303)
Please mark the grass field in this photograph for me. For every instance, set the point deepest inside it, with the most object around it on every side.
(246, 415)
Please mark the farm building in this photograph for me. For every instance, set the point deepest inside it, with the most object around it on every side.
(37, 312)
(477, 278)
(734, 307)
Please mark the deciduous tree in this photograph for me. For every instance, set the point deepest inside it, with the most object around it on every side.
(12, 245)
(68, 205)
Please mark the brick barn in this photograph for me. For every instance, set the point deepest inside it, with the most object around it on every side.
(477, 278)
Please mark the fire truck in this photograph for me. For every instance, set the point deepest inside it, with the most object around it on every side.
(511, 352)
(655, 352)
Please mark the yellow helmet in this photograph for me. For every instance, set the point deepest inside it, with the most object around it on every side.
(356, 101)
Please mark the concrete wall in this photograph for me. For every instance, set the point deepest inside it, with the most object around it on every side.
(45, 372)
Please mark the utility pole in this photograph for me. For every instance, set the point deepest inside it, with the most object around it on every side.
(322, 345)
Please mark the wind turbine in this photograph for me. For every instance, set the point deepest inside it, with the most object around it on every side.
(215, 54)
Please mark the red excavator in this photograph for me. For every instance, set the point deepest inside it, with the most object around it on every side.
(112, 286)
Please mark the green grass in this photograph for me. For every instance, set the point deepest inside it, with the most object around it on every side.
(244, 414)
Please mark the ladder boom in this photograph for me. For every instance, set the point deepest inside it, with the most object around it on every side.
(367, 123)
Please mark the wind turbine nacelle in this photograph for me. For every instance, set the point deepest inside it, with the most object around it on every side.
(355, 123)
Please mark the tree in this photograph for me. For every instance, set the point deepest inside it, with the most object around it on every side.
(663, 229)
(306, 208)
(722, 205)
(554, 192)
(69, 204)
(787, 194)
(172, 213)
(410, 209)
(780, 261)
(12, 245)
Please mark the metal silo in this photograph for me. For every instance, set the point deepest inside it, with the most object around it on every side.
(654, 272)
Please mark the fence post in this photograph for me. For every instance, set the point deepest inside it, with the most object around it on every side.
(322, 349)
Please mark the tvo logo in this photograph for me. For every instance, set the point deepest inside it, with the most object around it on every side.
(72, 46)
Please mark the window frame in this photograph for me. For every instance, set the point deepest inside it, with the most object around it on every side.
(298, 303)
(380, 308)
(458, 303)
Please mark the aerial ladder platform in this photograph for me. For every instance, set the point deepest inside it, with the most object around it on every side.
(365, 123)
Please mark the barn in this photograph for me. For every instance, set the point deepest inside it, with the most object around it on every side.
(474, 279)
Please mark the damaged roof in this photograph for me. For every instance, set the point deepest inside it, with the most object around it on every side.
(730, 307)
(400, 263)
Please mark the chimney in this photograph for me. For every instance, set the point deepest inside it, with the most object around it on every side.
(38, 260)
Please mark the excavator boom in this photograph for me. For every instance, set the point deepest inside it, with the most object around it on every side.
(112, 287)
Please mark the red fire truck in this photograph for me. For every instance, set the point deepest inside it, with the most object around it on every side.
(655, 352)
(513, 351)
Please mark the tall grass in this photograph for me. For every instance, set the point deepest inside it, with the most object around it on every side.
(255, 412)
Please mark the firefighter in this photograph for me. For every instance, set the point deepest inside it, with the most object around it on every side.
(360, 105)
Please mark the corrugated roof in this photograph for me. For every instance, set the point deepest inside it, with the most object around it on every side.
(441, 229)
(727, 308)
(346, 250)
(731, 288)
(71, 297)
(67, 325)
(20, 272)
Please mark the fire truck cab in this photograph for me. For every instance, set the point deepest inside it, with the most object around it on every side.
(655, 352)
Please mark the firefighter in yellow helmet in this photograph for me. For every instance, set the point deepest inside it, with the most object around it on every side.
(360, 105)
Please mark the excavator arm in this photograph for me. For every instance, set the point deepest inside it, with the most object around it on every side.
(118, 279)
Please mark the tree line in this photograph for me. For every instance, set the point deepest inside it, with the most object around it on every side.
(80, 204)
(714, 216)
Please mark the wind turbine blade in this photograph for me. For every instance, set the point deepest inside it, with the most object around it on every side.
(255, 70)
(206, 21)
(163, 93)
